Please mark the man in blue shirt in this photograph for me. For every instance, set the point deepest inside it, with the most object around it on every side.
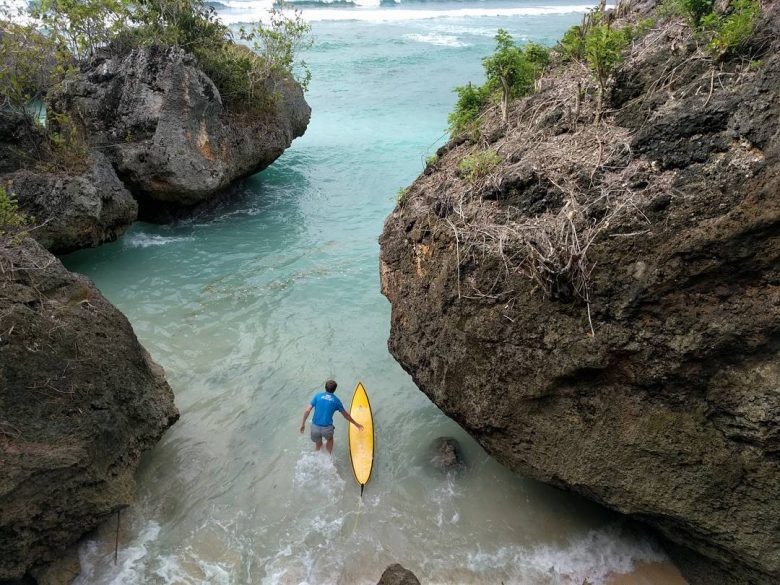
(325, 404)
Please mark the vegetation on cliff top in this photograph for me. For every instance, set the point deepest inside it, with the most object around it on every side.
(545, 234)
(246, 70)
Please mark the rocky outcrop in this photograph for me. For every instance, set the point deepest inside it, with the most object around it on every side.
(74, 211)
(397, 575)
(601, 310)
(71, 209)
(161, 121)
(80, 400)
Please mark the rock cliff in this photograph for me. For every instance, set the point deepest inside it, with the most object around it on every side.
(80, 400)
(601, 309)
(161, 122)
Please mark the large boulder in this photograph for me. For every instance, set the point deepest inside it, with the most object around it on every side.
(80, 401)
(74, 210)
(162, 123)
(601, 310)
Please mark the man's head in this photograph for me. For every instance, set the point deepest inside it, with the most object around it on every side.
(330, 386)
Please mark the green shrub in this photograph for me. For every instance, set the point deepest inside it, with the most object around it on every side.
(724, 35)
(11, 219)
(402, 195)
(479, 164)
(600, 47)
(728, 34)
(432, 160)
(691, 10)
(512, 70)
(572, 44)
(471, 100)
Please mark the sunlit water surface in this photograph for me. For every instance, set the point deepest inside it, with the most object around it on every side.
(251, 307)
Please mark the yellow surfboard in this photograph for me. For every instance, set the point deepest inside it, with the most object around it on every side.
(361, 443)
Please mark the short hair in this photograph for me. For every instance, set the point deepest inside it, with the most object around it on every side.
(331, 385)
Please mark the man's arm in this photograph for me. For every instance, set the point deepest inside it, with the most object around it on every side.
(347, 416)
(305, 416)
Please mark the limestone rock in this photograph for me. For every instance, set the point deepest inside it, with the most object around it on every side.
(670, 412)
(398, 575)
(74, 211)
(446, 455)
(80, 400)
(161, 121)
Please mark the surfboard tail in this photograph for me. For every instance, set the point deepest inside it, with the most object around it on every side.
(362, 485)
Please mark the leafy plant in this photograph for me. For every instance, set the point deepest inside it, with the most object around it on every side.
(572, 44)
(479, 164)
(11, 219)
(731, 32)
(30, 63)
(603, 52)
(86, 25)
(432, 160)
(471, 100)
(402, 195)
(512, 70)
(723, 34)
(279, 42)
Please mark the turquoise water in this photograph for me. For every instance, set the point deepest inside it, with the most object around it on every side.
(251, 307)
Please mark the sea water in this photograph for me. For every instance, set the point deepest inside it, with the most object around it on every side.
(252, 306)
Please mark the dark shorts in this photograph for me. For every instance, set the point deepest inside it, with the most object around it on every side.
(318, 433)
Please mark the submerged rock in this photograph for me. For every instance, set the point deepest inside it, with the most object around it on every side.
(398, 575)
(74, 211)
(161, 121)
(80, 401)
(446, 454)
(669, 409)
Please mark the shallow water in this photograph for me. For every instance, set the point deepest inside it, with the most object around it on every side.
(251, 307)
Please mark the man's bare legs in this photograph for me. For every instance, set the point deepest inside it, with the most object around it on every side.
(329, 446)
(318, 446)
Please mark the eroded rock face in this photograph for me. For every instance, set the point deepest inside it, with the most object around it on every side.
(671, 411)
(161, 122)
(74, 211)
(80, 400)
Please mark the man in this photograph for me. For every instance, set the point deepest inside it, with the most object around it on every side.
(324, 405)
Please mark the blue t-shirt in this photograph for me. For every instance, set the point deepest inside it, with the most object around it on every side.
(325, 404)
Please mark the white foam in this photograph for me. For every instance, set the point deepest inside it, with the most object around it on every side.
(146, 240)
(436, 39)
(131, 560)
(171, 571)
(592, 558)
(315, 475)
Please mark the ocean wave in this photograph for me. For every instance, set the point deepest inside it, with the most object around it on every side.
(146, 240)
(243, 12)
(436, 39)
